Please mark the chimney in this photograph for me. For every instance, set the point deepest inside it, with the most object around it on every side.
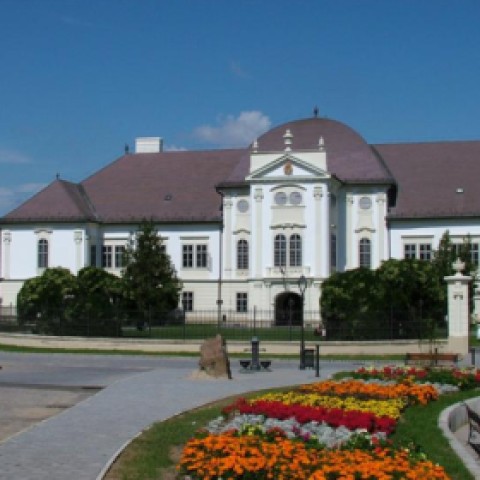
(148, 145)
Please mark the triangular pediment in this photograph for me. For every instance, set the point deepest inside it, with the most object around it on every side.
(287, 167)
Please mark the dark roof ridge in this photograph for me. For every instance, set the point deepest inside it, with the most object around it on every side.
(382, 161)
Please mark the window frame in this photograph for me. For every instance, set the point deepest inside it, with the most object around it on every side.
(365, 253)
(242, 254)
(43, 246)
(295, 250)
(107, 256)
(280, 250)
(187, 301)
(242, 302)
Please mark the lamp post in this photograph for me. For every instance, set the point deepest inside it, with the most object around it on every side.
(302, 285)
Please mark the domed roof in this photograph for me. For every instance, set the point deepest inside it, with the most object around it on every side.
(349, 157)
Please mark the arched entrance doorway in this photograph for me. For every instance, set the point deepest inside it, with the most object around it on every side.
(288, 309)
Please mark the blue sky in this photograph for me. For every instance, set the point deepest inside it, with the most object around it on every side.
(80, 78)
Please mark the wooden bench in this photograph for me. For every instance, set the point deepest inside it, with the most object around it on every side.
(431, 358)
(474, 428)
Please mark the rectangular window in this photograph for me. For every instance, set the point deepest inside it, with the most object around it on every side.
(365, 253)
(474, 253)
(93, 255)
(242, 302)
(295, 250)
(280, 251)
(187, 256)
(119, 254)
(43, 253)
(410, 251)
(195, 256)
(456, 249)
(333, 252)
(202, 256)
(187, 301)
(425, 251)
(107, 256)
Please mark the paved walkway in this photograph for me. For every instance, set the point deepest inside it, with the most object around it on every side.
(78, 443)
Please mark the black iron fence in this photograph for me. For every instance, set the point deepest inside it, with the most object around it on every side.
(233, 325)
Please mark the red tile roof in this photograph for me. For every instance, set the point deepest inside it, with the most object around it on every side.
(434, 179)
(165, 187)
(181, 186)
(60, 201)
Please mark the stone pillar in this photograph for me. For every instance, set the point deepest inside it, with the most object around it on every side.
(78, 238)
(458, 312)
(258, 195)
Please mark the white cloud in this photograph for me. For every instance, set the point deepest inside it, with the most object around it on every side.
(12, 197)
(234, 132)
(12, 156)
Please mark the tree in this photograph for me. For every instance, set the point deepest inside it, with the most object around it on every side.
(446, 254)
(94, 304)
(42, 300)
(412, 296)
(347, 303)
(403, 298)
(150, 283)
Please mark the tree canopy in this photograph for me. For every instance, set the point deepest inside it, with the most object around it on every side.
(150, 283)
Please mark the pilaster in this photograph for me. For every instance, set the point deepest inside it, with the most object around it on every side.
(229, 244)
(7, 240)
(258, 196)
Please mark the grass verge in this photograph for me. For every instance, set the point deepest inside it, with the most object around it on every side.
(91, 351)
(419, 424)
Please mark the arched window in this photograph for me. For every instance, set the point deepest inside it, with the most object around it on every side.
(42, 253)
(295, 250)
(242, 255)
(365, 253)
(280, 251)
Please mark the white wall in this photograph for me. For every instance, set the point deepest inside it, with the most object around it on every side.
(432, 230)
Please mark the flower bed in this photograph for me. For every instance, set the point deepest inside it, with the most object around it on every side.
(326, 430)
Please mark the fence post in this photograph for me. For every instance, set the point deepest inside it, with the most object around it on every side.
(184, 320)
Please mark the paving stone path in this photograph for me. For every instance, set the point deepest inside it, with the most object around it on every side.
(79, 442)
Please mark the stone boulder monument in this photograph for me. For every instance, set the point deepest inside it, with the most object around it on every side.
(214, 358)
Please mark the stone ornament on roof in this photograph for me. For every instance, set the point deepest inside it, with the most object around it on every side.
(287, 139)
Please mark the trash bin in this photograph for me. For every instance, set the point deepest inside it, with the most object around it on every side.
(309, 358)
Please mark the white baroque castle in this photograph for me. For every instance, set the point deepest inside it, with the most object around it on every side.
(243, 225)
